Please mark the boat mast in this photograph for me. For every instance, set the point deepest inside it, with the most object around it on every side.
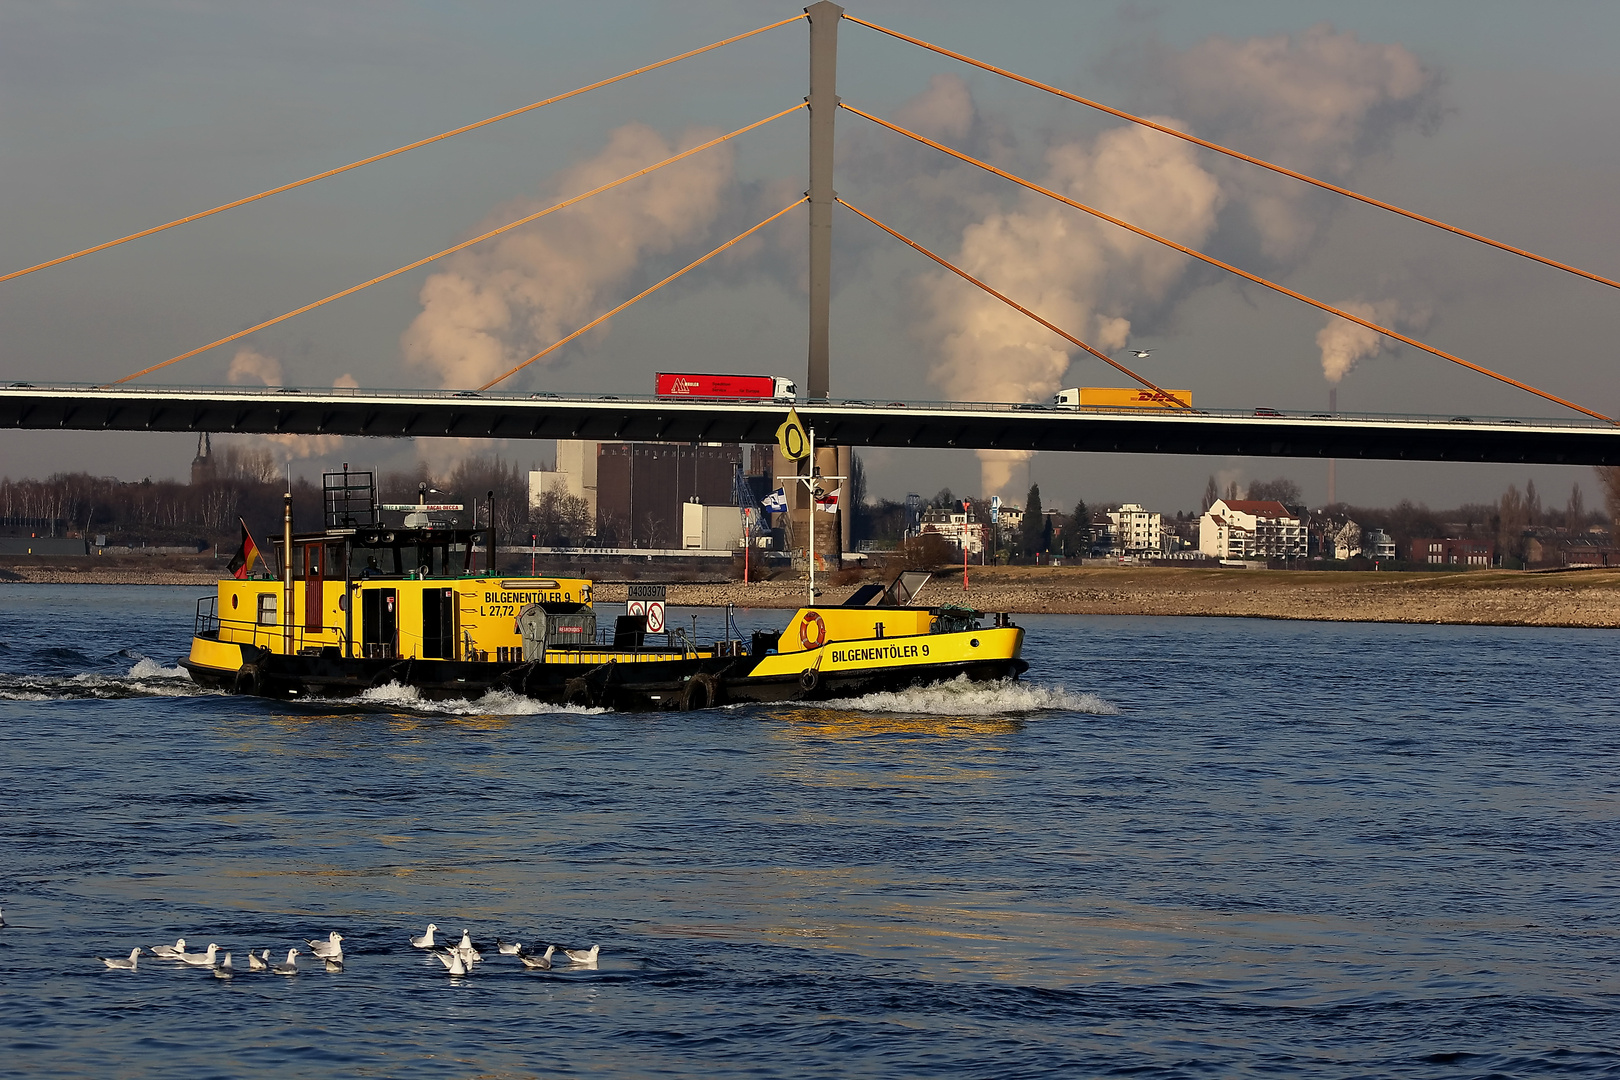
(287, 566)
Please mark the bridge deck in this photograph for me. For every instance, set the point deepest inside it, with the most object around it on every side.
(970, 425)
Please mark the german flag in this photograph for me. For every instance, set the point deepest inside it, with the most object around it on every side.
(243, 563)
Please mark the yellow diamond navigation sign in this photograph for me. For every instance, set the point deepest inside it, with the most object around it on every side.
(791, 437)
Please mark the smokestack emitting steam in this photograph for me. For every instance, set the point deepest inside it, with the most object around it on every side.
(502, 302)
(1319, 100)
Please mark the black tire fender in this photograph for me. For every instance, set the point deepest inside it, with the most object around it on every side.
(809, 680)
(577, 692)
(249, 681)
(702, 692)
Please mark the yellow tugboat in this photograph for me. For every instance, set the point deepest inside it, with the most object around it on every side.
(364, 604)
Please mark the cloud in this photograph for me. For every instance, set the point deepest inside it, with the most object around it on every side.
(500, 303)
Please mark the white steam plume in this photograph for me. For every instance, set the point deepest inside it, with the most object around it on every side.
(1082, 274)
(1320, 101)
(248, 367)
(1345, 344)
(500, 303)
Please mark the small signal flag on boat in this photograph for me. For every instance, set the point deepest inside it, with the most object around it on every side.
(776, 501)
(828, 501)
(242, 565)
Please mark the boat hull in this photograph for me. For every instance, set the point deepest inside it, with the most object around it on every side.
(625, 680)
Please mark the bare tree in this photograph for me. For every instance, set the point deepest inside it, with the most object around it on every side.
(1575, 512)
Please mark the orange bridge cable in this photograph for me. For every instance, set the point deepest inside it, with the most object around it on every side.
(600, 319)
(1166, 395)
(1238, 154)
(391, 153)
(1212, 261)
(508, 227)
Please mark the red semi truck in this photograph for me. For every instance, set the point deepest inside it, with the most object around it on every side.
(750, 387)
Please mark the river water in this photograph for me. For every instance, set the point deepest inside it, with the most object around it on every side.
(1181, 847)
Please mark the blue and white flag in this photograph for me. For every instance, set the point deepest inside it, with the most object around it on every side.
(775, 502)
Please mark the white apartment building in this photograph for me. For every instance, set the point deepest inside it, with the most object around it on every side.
(1251, 529)
(1135, 531)
(955, 525)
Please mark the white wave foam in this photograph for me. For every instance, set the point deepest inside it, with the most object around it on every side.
(23, 695)
(963, 697)
(493, 703)
(147, 668)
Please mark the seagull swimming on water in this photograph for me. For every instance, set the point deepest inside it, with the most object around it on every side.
(331, 947)
(465, 947)
(122, 965)
(583, 956)
(452, 962)
(509, 948)
(290, 967)
(539, 963)
(171, 952)
(334, 964)
(225, 971)
(256, 963)
(426, 940)
(203, 960)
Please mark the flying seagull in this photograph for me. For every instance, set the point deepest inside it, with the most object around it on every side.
(1141, 354)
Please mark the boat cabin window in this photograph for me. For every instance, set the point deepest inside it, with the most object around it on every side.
(267, 609)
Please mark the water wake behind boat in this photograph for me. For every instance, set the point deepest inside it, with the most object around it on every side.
(145, 678)
(963, 697)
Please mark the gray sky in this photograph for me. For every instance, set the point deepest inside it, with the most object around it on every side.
(118, 116)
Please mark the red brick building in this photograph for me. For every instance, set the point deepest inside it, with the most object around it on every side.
(1448, 551)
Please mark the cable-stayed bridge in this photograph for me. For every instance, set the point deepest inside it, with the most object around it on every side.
(933, 425)
(496, 409)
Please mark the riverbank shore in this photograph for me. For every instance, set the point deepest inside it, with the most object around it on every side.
(1587, 598)
(1580, 598)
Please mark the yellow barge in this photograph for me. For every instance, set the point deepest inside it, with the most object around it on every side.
(364, 604)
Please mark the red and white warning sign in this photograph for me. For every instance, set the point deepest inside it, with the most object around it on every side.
(653, 609)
